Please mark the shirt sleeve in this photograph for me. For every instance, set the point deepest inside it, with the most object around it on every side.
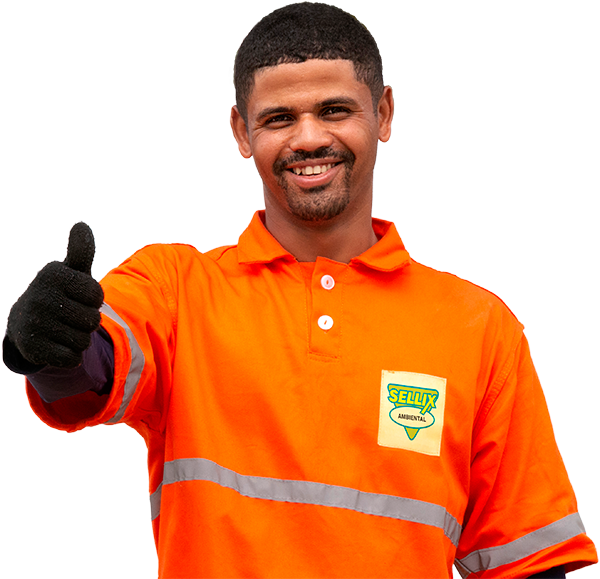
(522, 514)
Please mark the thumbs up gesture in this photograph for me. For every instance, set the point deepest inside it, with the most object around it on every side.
(51, 323)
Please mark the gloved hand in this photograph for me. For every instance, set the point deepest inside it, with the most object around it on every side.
(52, 322)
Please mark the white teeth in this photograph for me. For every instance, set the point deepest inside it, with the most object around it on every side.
(310, 170)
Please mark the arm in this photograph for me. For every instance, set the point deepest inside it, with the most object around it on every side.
(140, 317)
(522, 515)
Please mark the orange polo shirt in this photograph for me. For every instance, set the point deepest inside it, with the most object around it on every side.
(370, 419)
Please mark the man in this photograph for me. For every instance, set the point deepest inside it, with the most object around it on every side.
(371, 417)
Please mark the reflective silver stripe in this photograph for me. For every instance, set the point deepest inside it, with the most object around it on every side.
(155, 502)
(553, 534)
(136, 367)
(306, 492)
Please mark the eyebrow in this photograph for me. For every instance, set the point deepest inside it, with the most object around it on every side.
(326, 103)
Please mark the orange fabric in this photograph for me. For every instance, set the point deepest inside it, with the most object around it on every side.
(238, 371)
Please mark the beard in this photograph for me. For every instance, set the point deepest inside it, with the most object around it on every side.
(320, 203)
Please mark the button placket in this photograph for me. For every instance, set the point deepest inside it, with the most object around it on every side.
(326, 315)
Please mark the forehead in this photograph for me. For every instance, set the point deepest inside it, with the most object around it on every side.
(299, 85)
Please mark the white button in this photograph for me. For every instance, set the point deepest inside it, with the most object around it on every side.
(325, 322)
(327, 282)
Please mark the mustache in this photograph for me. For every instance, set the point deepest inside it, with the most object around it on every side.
(321, 153)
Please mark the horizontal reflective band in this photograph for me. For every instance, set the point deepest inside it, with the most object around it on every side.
(136, 367)
(555, 533)
(306, 492)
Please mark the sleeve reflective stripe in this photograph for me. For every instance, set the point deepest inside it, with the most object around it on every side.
(155, 498)
(306, 492)
(136, 367)
(553, 534)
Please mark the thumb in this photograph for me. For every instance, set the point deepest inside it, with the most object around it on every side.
(81, 249)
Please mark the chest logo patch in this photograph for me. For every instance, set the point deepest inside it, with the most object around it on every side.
(411, 413)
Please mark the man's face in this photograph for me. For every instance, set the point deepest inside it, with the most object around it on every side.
(313, 134)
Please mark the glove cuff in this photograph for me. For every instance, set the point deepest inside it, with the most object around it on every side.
(14, 360)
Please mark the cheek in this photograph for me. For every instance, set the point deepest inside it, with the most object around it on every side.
(359, 138)
(265, 153)
(265, 174)
(364, 153)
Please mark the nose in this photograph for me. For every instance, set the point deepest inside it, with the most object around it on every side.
(310, 134)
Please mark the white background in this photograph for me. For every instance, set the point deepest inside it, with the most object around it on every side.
(503, 194)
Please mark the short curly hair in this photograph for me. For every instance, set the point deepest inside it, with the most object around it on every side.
(303, 31)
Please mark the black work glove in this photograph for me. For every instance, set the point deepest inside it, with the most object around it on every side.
(52, 322)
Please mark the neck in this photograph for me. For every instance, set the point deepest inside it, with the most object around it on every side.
(339, 239)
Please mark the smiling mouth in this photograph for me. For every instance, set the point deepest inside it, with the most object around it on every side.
(312, 169)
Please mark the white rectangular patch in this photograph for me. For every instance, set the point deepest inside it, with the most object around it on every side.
(411, 411)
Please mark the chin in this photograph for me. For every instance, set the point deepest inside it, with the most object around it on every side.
(316, 209)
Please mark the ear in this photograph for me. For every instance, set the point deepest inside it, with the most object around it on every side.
(385, 114)
(240, 132)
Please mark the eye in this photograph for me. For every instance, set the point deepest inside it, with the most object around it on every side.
(335, 112)
(277, 121)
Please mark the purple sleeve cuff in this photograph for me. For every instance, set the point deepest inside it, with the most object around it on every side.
(554, 573)
(94, 374)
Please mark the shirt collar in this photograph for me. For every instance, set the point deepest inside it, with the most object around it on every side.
(256, 245)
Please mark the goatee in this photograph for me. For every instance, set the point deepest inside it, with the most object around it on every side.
(320, 203)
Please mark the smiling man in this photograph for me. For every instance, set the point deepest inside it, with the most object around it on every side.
(312, 128)
(315, 403)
